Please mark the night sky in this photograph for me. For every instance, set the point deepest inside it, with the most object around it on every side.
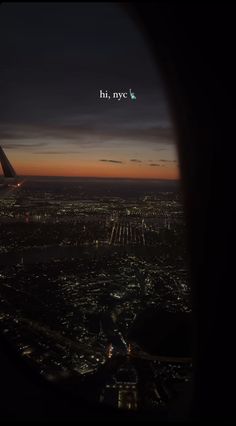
(54, 59)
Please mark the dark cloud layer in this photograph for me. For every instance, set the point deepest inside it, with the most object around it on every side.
(56, 152)
(111, 161)
(168, 161)
(88, 135)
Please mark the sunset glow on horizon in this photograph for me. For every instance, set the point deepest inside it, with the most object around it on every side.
(99, 171)
(82, 165)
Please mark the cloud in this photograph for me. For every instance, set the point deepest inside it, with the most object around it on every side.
(168, 161)
(160, 149)
(111, 161)
(84, 133)
(56, 152)
(154, 164)
(19, 145)
(134, 160)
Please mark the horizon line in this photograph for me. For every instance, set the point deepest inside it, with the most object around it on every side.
(99, 177)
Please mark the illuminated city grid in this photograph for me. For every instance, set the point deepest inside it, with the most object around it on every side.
(81, 262)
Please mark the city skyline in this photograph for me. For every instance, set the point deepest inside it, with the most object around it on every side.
(55, 60)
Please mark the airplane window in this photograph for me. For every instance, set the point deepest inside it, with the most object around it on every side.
(94, 282)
